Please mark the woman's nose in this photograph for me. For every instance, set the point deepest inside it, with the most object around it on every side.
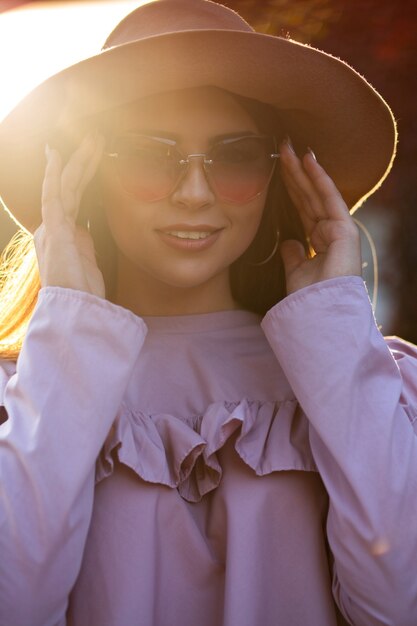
(194, 190)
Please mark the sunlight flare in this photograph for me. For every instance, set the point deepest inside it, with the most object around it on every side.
(42, 38)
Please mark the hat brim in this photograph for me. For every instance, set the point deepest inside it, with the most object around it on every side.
(323, 103)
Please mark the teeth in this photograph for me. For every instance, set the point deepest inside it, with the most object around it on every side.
(189, 234)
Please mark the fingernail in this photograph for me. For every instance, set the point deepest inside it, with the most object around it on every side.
(288, 141)
(309, 150)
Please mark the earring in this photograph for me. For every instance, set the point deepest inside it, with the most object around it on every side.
(268, 258)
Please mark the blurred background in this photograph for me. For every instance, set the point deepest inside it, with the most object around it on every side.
(377, 37)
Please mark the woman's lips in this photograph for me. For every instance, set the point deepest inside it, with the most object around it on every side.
(198, 238)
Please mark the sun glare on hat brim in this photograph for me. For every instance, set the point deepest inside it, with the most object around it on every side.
(41, 38)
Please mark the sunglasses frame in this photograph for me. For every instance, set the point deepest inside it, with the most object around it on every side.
(184, 162)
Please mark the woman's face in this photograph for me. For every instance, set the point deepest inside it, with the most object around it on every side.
(191, 236)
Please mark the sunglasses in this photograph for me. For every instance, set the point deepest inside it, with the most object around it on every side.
(150, 168)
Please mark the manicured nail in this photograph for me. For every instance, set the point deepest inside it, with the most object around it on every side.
(309, 150)
(288, 141)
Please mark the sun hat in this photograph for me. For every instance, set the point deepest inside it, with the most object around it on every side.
(167, 45)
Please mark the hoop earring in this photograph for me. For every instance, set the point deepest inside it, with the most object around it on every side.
(268, 258)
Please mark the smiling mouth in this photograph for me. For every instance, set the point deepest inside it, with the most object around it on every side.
(195, 235)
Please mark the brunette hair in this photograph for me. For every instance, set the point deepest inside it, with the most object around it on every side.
(256, 286)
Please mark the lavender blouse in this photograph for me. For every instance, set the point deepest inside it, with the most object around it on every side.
(209, 470)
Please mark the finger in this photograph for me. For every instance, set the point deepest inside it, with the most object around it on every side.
(85, 244)
(329, 231)
(300, 187)
(95, 145)
(72, 176)
(293, 171)
(293, 255)
(307, 216)
(52, 211)
(78, 173)
(94, 161)
(38, 239)
(330, 197)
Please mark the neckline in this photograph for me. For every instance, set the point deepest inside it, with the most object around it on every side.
(202, 322)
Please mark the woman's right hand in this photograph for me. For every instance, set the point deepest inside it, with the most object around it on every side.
(65, 251)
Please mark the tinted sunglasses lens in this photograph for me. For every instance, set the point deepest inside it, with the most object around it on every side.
(147, 169)
(241, 169)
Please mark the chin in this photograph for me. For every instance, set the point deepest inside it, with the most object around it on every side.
(188, 280)
(191, 276)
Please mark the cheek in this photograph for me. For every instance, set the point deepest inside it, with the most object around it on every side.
(118, 218)
(116, 202)
(248, 219)
(126, 221)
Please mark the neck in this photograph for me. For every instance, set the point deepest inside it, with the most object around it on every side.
(142, 294)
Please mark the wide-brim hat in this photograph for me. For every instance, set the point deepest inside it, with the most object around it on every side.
(177, 44)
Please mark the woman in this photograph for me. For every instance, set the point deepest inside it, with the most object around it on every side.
(168, 457)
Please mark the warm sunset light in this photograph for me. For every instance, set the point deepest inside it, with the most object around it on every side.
(41, 38)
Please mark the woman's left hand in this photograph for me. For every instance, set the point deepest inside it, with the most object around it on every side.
(329, 227)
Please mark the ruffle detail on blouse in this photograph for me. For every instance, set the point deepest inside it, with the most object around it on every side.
(182, 454)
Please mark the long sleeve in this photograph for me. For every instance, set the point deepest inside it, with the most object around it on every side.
(71, 375)
(360, 398)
